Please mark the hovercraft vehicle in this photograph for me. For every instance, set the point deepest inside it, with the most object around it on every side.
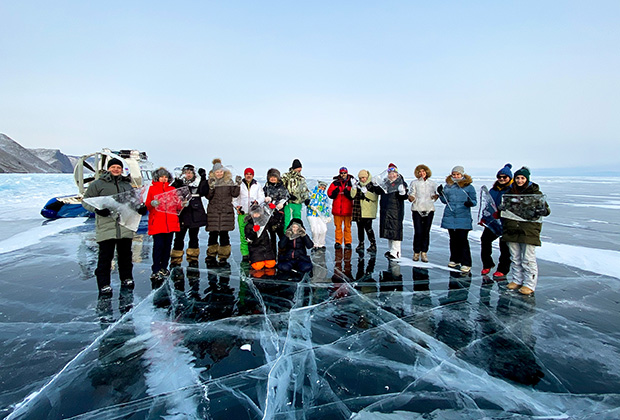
(87, 169)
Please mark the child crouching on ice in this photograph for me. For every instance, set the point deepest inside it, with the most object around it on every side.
(262, 257)
(319, 215)
(293, 246)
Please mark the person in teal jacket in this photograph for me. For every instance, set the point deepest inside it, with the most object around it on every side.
(459, 196)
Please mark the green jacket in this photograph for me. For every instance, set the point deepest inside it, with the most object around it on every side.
(296, 185)
(524, 232)
(108, 227)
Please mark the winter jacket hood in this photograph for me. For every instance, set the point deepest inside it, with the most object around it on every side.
(467, 180)
(418, 168)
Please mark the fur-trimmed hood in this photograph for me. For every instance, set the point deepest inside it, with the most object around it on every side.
(273, 172)
(467, 180)
(418, 168)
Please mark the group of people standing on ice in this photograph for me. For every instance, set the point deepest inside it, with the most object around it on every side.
(272, 234)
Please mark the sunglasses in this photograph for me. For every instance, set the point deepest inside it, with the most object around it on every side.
(503, 177)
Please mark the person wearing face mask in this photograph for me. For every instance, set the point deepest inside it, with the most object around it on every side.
(500, 187)
(110, 234)
(459, 196)
(522, 234)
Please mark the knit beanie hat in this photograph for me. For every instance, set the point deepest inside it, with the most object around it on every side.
(343, 170)
(392, 167)
(248, 171)
(458, 169)
(525, 171)
(115, 161)
(296, 164)
(217, 165)
(505, 171)
(188, 167)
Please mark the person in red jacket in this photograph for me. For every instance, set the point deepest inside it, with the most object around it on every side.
(163, 222)
(342, 208)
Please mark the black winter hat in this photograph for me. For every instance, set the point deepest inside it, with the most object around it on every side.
(115, 161)
(188, 167)
(525, 171)
(296, 164)
(298, 221)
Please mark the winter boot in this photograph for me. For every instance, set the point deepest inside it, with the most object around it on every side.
(176, 257)
(191, 255)
(212, 252)
(416, 256)
(424, 257)
(373, 247)
(360, 248)
(223, 254)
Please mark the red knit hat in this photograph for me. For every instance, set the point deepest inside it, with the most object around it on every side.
(248, 171)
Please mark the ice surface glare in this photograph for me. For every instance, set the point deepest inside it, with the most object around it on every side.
(169, 367)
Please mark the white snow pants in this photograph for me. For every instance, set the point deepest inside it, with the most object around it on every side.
(319, 230)
(523, 266)
(394, 248)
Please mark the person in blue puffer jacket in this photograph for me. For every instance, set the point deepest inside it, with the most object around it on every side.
(459, 196)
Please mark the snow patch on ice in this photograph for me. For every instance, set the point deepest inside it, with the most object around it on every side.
(601, 261)
(35, 235)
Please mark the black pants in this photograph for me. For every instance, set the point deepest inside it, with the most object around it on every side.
(422, 231)
(365, 225)
(222, 236)
(486, 249)
(162, 243)
(106, 255)
(459, 246)
(179, 238)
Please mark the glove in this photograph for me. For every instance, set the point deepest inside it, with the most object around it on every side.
(291, 197)
(376, 180)
(364, 190)
(307, 201)
(267, 199)
(238, 180)
(440, 189)
(256, 228)
(154, 203)
(103, 212)
(272, 206)
(401, 189)
(202, 172)
(142, 210)
(302, 231)
(353, 183)
(468, 203)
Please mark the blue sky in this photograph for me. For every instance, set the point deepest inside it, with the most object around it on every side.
(354, 83)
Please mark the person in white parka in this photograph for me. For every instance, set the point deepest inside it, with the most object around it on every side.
(422, 194)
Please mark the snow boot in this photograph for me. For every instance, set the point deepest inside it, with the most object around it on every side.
(512, 285)
(191, 255)
(424, 257)
(212, 252)
(127, 284)
(416, 256)
(176, 257)
(526, 291)
(223, 254)
(372, 248)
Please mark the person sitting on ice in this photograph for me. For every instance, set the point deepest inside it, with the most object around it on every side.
(318, 215)
(250, 192)
(256, 228)
(294, 245)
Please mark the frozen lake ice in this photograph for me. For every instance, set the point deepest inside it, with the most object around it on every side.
(361, 338)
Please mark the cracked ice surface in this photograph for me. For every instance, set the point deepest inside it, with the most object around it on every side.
(361, 338)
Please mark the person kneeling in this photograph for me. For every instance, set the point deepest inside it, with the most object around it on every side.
(294, 245)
